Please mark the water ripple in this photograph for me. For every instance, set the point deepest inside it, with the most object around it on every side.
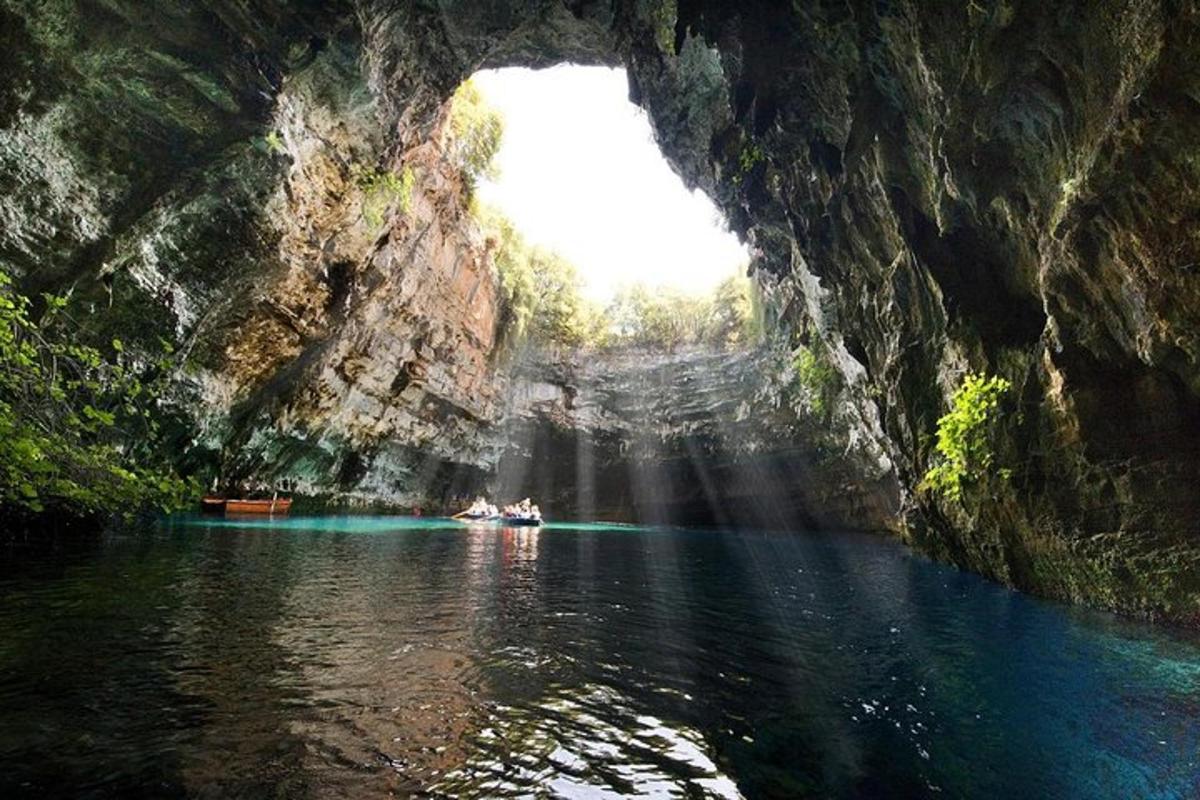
(377, 657)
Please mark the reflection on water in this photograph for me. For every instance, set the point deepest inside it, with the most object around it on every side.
(375, 657)
(586, 742)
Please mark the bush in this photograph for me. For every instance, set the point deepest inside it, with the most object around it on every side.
(77, 429)
(381, 189)
(965, 435)
(818, 378)
(474, 131)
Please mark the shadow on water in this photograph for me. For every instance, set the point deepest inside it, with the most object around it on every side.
(370, 656)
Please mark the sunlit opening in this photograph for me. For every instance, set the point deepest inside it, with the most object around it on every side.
(578, 172)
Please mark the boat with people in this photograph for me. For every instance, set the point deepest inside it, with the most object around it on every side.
(480, 511)
(520, 522)
(523, 514)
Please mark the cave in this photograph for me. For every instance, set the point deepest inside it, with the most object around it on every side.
(973, 230)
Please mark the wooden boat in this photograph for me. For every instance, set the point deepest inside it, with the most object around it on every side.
(277, 506)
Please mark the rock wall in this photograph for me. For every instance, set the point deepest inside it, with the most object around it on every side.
(698, 437)
(943, 187)
(931, 187)
(202, 174)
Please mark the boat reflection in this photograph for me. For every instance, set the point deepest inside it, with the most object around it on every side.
(519, 544)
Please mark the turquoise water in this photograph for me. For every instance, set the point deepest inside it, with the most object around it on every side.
(376, 657)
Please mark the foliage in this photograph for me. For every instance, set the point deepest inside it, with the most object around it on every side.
(736, 315)
(473, 134)
(77, 428)
(275, 143)
(666, 319)
(661, 319)
(663, 15)
(750, 156)
(818, 378)
(965, 434)
(542, 301)
(382, 188)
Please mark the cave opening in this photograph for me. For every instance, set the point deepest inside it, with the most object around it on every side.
(578, 171)
(640, 296)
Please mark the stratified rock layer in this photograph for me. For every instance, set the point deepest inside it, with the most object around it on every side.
(930, 187)
(696, 437)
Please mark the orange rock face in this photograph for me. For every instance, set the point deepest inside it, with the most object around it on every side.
(376, 332)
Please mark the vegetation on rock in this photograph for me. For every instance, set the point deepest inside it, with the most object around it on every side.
(381, 189)
(275, 143)
(817, 378)
(965, 436)
(78, 432)
(473, 134)
(541, 290)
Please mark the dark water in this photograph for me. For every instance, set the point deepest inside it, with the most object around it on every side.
(368, 657)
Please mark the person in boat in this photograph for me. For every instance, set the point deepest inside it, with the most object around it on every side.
(525, 510)
(480, 509)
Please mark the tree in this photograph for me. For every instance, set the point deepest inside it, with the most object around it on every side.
(541, 291)
(735, 318)
(474, 131)
(78, 430)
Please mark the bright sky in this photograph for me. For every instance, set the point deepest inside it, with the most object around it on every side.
(580, 173)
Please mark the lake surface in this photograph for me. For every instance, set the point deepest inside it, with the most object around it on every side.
(374, 657)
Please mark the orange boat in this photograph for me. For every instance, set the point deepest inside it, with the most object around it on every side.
(280, 505)
(218, 505)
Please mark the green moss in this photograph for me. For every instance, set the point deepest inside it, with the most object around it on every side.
(816, 378)
(381, 190)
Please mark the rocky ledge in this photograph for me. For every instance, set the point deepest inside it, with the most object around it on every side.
(696, 437)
